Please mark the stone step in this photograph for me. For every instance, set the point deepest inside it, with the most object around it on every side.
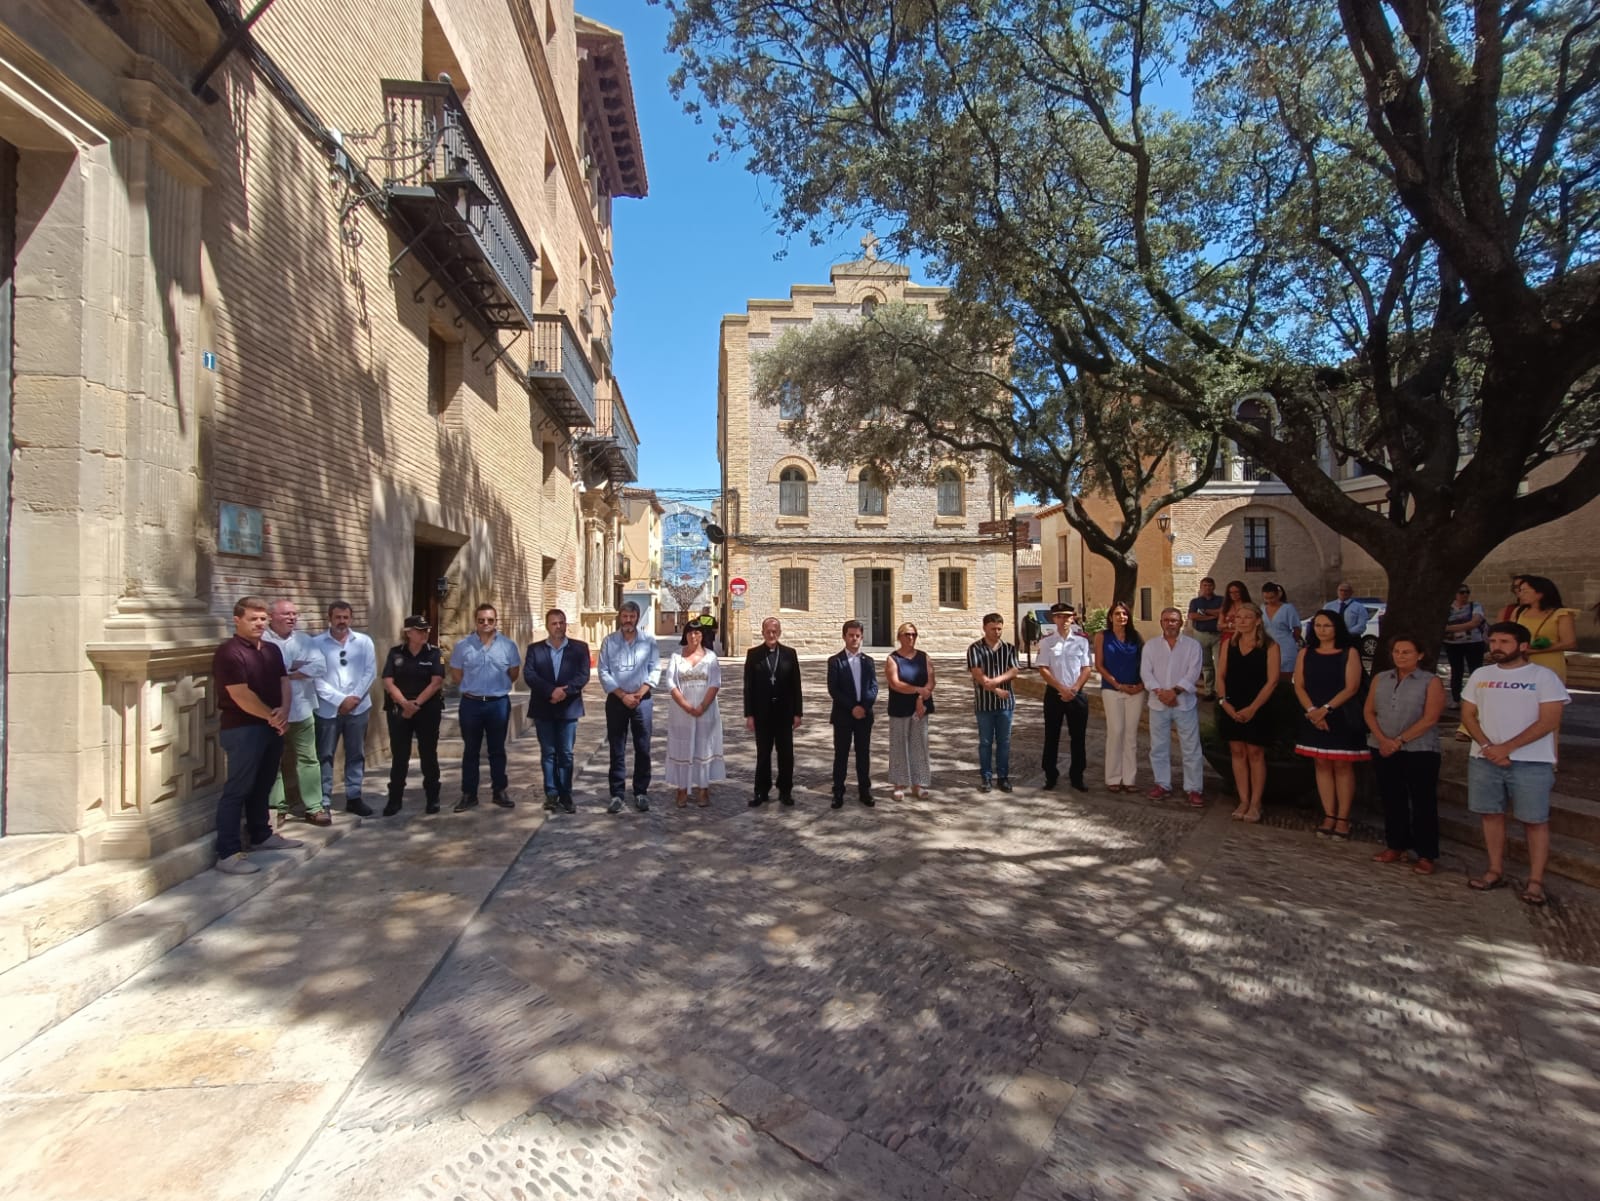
(61, 907)
(53, 985)
(25, 859)
(1574, 858)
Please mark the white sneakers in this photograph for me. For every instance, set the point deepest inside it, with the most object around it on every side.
(237, 865)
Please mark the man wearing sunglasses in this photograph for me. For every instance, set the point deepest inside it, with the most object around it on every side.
(344, 702)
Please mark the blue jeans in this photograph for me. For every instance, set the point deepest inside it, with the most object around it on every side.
(556, 737)
(352, 727)
(253, 752)
(483, 720)
(994, 740)
(1162, 719)
(621, 723)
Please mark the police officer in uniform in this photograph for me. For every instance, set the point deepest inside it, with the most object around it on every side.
(413, 679)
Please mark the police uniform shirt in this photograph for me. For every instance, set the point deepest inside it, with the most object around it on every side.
(412, 673)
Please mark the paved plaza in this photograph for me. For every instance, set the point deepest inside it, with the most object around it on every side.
(1041, 996)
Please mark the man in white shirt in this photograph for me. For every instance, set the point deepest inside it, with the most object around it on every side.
(630, 666)
(1512, 709)
(1170, 671)
(344, 703)
(1065, 662)
(305, 667)
(1353, 611)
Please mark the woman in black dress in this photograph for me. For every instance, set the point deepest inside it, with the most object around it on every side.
(1327, 676)
(1247, 676)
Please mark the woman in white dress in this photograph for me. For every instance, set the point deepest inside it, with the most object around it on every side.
(694, 723)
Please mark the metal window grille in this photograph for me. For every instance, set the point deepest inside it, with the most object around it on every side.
(952, 588)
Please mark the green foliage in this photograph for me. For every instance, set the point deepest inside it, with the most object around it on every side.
(1385, 216)
(1095, 622)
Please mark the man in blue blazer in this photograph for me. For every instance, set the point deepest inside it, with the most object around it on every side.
(853, 685)
(556, 671)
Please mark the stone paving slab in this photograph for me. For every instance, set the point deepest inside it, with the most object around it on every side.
(1035, 995)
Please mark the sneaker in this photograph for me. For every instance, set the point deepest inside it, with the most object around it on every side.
(277, 842)
(465, 803)
(641, 802)
(237, 865)
(615, 806)
(1197, 800)
(1159, 793)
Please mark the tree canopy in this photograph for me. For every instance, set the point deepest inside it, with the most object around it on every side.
(1383, 216)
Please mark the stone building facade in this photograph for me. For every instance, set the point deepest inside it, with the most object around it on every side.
(327, 319)
(817, 545)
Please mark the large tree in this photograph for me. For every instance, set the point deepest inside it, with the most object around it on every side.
(1381, 215)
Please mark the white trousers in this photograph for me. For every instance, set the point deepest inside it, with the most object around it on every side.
(1122, 734)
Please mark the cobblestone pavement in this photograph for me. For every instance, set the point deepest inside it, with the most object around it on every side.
(1042, 996)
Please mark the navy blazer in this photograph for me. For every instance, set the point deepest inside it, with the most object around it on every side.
(842, 688)
(538, 668)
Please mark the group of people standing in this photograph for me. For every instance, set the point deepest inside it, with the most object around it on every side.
(1510, 710)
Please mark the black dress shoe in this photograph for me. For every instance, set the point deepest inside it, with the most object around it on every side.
(1003, 784)
(465, 803)
(550, 802)
(838, 803)
(866, 799)
(503, 801)
(391, 808)
(1079, 786)
(758, 800)
(357, 806)
(432, 806)
(566, 805)
(1049, 782)
(786, 799)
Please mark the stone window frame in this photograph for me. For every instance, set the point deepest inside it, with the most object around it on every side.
(961, 479)
(775, 476)
(801, 563)
(886, 481)
(967, 565)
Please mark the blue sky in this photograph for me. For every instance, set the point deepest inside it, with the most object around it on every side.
(699, 245)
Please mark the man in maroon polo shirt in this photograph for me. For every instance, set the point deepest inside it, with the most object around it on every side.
(253, 706)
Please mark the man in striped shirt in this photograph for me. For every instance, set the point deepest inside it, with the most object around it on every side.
(993, 665)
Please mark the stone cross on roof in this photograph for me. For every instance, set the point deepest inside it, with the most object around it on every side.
(869, 247)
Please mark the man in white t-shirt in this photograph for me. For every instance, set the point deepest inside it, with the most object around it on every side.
(1512, 710)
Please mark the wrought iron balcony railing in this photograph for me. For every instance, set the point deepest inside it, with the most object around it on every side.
(614, 445)
(440, 179)
(560, 371)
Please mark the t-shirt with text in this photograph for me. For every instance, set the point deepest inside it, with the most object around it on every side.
(1508, 701)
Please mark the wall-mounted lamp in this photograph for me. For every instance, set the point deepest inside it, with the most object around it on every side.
(441, 587)
(1164, 524)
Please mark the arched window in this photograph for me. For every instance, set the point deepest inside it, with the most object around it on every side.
(791, 405)
(869, 306)
(1254, 414)
(870, 494)
(793, 493)
(950, 499)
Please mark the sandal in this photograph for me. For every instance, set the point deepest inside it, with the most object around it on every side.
(1326, 829)
(1251, 815)
(1534, 894)
(1341, 835)
(899, 794)
(705, 798)
(682, 798)
(1238, 814)
(1487, 882)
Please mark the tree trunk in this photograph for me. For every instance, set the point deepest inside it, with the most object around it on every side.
(1126, 585)
(1420, 593)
